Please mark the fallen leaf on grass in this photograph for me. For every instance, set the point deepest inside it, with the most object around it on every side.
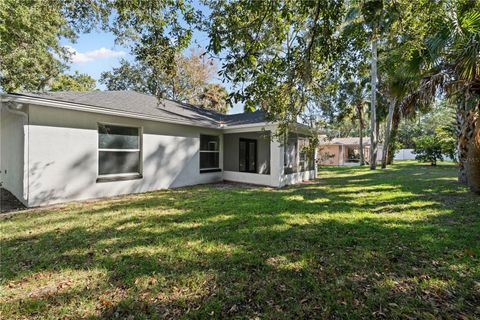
(49, 290)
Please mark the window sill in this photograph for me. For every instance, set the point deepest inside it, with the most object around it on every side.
(210, 170)
(119, 178)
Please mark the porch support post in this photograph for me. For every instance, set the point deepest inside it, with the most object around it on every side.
(276, 163)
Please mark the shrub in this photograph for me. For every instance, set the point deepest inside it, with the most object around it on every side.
(430, 148)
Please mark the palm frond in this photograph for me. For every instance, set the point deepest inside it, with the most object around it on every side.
(425, 94)
(467, 55)
(437, 43)
(470, 22)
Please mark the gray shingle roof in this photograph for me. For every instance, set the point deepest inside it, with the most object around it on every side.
(245, 118)
(144, 104)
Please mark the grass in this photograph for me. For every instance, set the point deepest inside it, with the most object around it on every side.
(401, 243)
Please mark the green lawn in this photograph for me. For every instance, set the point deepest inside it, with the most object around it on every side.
(400, 243)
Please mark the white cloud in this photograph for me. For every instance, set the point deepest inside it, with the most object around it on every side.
(102, 53)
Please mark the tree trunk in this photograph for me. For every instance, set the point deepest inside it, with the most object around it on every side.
(388, 128)
(361, 125)
(393, 136)
(373, 107)
(472, 164)
(465, 131)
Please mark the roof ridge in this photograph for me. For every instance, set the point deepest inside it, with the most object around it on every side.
(144, 103)
(180, 103)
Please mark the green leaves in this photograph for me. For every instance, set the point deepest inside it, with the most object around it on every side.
(372, 11)
(185, 79)
(75, 82)
(215, 44)
(274, 51)
(30, 52)
(214, 97)
(430, 149)
(30, 33)
(471, 22)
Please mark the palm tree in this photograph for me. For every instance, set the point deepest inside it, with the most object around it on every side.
(474, 153)
(393, 135)
(373, 13)
(373, 107)
(214, 97)
(397, 82)
(451, 65)
(366, 18)
(361, 127)
(388, 128)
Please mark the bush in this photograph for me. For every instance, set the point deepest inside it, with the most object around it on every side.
(430, 148)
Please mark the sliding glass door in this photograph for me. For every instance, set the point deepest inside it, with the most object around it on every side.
(248, 155)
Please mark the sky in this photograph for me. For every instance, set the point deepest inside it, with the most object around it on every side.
(96, 52)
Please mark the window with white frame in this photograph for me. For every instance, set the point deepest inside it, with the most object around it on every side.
(209, 153)
(119, 150)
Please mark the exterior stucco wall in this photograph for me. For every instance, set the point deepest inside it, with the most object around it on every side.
(329, 155)
(12, 153)
(63, 156)
(231, 154)
(52, 156)
(297, 177)
(250, 178)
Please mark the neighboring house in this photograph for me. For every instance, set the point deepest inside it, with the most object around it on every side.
(344, 151)
(63, 146)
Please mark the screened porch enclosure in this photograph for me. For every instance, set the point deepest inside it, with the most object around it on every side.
(296, 157)
(256, 157)
(247, 152)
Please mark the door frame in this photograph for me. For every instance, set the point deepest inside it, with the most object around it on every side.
(247, 154)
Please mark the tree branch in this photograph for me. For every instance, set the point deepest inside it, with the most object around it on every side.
(314, 34)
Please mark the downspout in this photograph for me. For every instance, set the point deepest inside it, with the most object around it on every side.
(17, 109)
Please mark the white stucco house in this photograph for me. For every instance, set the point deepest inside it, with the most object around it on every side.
(64, 146)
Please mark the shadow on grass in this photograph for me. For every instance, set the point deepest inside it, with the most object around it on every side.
(356, 244)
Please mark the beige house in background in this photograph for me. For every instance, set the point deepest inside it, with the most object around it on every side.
(344, 151)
